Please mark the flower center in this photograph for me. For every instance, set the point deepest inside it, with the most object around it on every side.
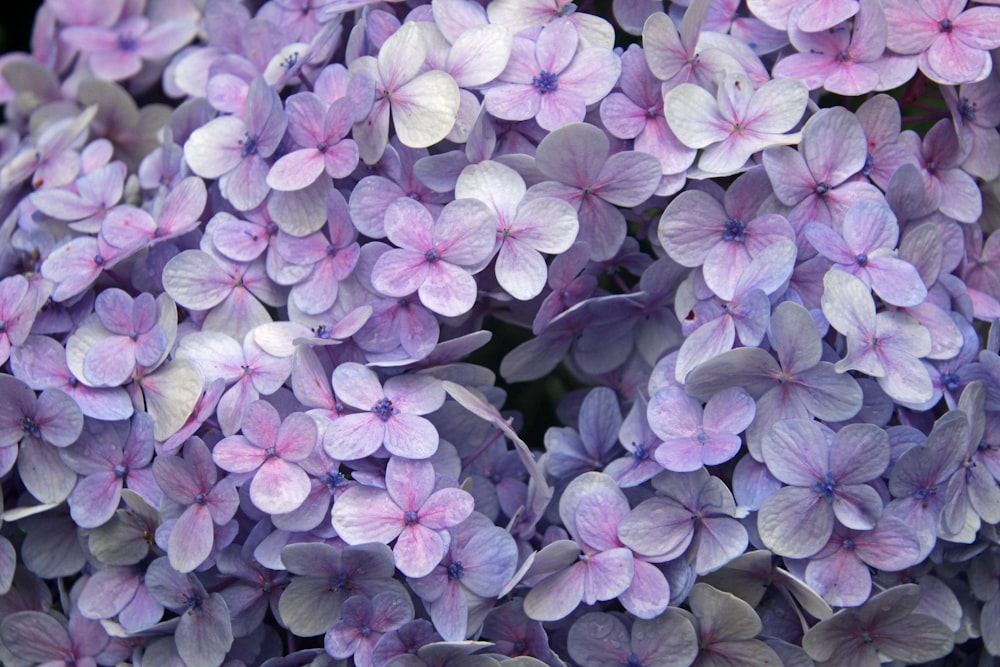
(735, 230)
(822, 188)
(121, 470)
(967, 109)
(384, 409)
(545, 82)
(950, 381)
(945, 25)
(126, 42)
(410, 518)
(826, 487)
(861, 259)
(455, 570)
(432, 255)
(249, 145)
(29, 426)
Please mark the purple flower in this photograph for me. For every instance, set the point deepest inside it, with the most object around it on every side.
(599, 639)
(408, 508)
(270, 448)
(435, 257)
(326, 576)
(580, 168)
(423, 106)
(20, 302)
(549, 80)
(737, 122)
(107, 465)
(525, 229)
(118, 52)
(726, 626)
(234, 150)
(885, 625)
(320, 133)
(392, 418)
(953, 42)
(192, 482)
(480, 561)
(886, 345)
(363, 622)
(692, 438)
(39, 638)
(866, 248)
(827, 475)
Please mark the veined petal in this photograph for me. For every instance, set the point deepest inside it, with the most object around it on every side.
(425, 109)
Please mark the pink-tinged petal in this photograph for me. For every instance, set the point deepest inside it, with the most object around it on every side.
(400, 272)
(195, 280)
(215, 149)
(415, 394)
(479, 55)
(661, 530)
(648, 595)
(58, 417)
(260, 424)
(795, 522)
(706, 342)
(858, 506)
(409, 224)
(110, 361)
(236, 454)
(465, 232)
(364, 514)
(977, 27)
(108, 591)
(445, 509)
(448, 290)
(673, 414)
(296, 437)
(607, 575)
(191, 539)
(419, 549)
(555, 597)
(512, 101)
(353, 437)
(797, 452)
(296, 170)
(777, 106)
(409, 483)
(520, 269)
(825, 14)
(357, 386)
(425, 109)
(410, 436)
(546, 224)
(279, 486)
(693, 116)
(165, 39)
(729, 411)
(897, 282)
(95, 499)
(36, 637)
(628, 178)
(246, 186)
(718, 541)
(950, 61)
(340, 159)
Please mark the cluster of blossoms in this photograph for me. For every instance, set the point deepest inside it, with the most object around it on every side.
(748, 250)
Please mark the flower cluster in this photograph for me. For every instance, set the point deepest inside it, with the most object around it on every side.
(475, 332)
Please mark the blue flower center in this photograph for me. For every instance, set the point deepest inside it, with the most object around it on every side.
(945, 25)
(701, 437)
(322, 332)
(861, 259)
(950, 381)
(410, 518)
(121, 470)
(639, 452)
(735, 230)
(848, 545)
(822, 188)
(432, 255)
(924, 494)
(827, 487)
(545, 82)
(967, 109)
(384, 409)
(193, 603)
(200, 499)
(455, 570)
(3, 326)
(340, 584)
(249, 145)
(126, 42)
(99, 259)
(632, 661)
(334, 480)
(29, 426)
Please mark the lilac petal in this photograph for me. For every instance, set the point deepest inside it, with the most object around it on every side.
(357, 386)
(859, 454)
(649, 593)
(296, 170)
(191, 539)
(95, 499)
(718, 541)
(657, 528)
(896, 281)
(237, 454)
(448, 290)
(520, 269)
(107, 592)
(36, 637)
(424, 109)
(410, 436)
(110, 361)
(44, 474)
(415, 394)
(59, 419)
(205, 637)
(557, 596)
(279, 486)
(729, 411)
(400, 272)
(445, 508)
(354, 437)
(418, 550)
(365, 514)
(795, 522)
(858, 506)
(797, 452)
(214, 149)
